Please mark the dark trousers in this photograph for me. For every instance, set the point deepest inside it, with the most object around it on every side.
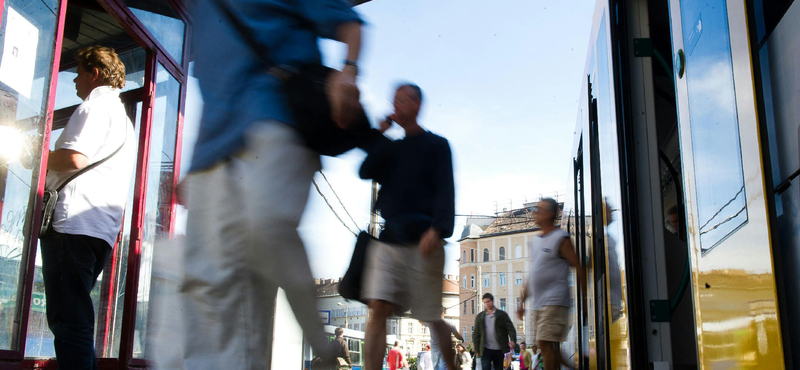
(492, 359)
(70, 266)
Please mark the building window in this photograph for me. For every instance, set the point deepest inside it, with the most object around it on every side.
(485, 255)
(472, 255)
(393, 327)
(486, 280)
(464, 333)
(424, 330)
(473, 306)
(411, 328)
(465, 307)
(518, 278)
(502, 304)
(517, 306)
(502, 279)
(518, 251)
(464, 281)
(472, 281)
(502, 253)
(463, 256)
(473, 329)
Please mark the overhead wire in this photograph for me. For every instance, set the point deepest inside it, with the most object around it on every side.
(331, 208)
(340, 200)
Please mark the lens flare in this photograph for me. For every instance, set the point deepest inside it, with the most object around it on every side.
(11, 142)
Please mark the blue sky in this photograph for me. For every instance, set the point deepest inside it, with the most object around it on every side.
(501, 81)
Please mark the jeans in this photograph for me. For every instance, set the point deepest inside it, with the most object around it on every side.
(492, 359)
(241, 245)
(70, 266)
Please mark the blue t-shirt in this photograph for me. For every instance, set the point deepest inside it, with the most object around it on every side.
(234, 84)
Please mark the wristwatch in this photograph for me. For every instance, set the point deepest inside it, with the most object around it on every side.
(351, 63)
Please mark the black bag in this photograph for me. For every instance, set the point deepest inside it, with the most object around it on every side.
(304, 87)
(350, 286)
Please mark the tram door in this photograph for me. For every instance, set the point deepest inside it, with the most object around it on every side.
(585, 302)
(728, 234)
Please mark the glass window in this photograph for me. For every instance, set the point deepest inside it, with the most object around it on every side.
(718, 173)
(465, 307)
(485, 255)
(502, 304)
(518, 251)
(163, 22)
(486, 280)
(502, 253)
(463, 256)
(464, 281)
(410, 328)
(472, 255)
(472, 307)
(516, 307)
(502, 279)
(26, 38)
(158, 204)
(134, 61)
(518, 278)
(472, 281)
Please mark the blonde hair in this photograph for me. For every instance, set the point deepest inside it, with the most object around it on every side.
(107, 62)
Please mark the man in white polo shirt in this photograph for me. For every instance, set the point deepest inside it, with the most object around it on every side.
(88, 215)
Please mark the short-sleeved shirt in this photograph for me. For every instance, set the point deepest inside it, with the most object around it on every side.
(490, 332)
(548, 283)
(236, 89)
(395, 359)
(92, 204)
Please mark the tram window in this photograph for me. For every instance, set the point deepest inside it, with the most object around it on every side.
(714, 123)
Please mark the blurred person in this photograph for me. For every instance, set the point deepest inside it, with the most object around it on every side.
(437, 342)
(403, 269)
(425, 362)
(340, 349)
(88, 214)
(395, 358)
(472, 356)
(552, 255)
(250, 175)
(524, 356)
(494, 335)
(463, 358)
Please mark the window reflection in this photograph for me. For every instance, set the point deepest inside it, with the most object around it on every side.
(158, 204)
(719, 178)
(28, 28)
(163, 22)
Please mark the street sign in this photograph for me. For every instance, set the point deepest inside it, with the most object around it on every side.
(38, 302)
(325, 316)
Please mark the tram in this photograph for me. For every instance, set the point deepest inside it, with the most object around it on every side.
(682, 204)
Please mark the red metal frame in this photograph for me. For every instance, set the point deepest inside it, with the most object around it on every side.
(28, 269)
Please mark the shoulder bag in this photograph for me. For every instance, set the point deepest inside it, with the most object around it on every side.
(304, 88)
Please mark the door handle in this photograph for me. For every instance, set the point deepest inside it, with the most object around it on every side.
(680, 63)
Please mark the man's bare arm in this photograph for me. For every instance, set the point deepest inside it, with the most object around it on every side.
(343, 91)
(66, 160)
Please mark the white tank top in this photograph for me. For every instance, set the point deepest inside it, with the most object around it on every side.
(548, 279)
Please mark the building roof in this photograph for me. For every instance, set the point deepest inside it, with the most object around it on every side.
(509, 222)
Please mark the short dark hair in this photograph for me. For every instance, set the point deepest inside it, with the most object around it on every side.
(397, 343)
(416, 91)
(338, 331)
(523, 343)
(488, 295)
(553, 206)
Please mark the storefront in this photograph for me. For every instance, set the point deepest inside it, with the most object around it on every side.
(37, 97)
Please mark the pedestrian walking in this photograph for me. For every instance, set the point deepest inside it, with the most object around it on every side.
(494, 335)
(91, 169)
(524, 356)
(463, 358)
(437, 342)
(251, 171)
(395, 358)
(425, 361)
(552, 255)
(403, 269)
(340, 350)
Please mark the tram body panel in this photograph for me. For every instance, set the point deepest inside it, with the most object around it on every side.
(735, 296)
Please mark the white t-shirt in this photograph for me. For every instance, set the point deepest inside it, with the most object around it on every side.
(93, 203)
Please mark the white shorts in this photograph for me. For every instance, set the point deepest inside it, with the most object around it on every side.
(400, 275)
